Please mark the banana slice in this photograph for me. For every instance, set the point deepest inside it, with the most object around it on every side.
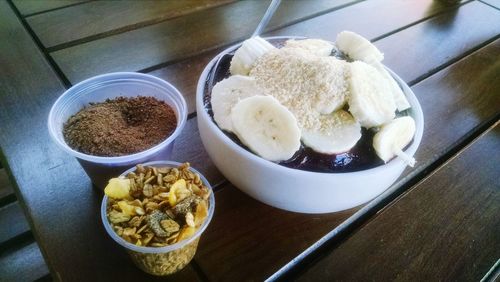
(393, 137)
(398, 95)
(317, 47)
(268, 128)
(250, 51)
(339, 132)
(358, 48)
(227, 93)
(371, 102)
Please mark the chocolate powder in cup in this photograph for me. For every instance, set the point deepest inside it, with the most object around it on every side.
(120, 126)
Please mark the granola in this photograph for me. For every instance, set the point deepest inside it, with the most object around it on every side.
(157, 206)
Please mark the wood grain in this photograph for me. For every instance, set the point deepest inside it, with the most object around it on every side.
(189, 148)
(55, 192)
(367, 22)
(473, 23)
(25, 264)
(253, 239)
(28, 7)
(12, 222)
(179, 38)
(445, 228)
(101, 18)
(185, 73)
(454, 104)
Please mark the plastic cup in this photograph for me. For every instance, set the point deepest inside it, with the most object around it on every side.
(164, 260)
(109, 86)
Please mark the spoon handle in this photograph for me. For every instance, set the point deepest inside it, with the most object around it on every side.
(267, 16)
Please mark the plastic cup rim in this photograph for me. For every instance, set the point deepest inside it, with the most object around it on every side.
(169, 248)
(182, 110)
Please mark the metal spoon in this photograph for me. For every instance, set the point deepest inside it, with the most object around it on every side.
(262, 24)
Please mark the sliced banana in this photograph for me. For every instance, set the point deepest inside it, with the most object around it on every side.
(317, 47)
(370, 101)
(393, 137)
(398, 95)
(339, 132)
(358, 48)
(228, 92)
(250, 51)
(268, 128)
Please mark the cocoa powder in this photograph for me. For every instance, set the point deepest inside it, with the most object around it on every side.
(120, 126)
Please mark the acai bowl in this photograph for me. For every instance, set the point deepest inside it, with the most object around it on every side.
(302, 183)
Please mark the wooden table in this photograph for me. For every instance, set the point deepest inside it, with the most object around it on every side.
(441, 222)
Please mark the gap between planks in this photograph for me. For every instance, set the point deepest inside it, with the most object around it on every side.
(338, 235)
(38, 43)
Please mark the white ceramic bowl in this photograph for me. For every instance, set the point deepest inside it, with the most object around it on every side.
(293, 189)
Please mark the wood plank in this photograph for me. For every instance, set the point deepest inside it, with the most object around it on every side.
(24, 264)
(179, 38)
(444, 31)
(371, 24)
(5, 186)
(189, 148)
(185, 74)
(439, 46)
(28, 7)
(445, 228)
(253, 239)
(454, 103)
(87, 20)
(53, 187)
(12, 222)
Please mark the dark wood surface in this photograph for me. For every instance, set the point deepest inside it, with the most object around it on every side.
(178, 38)
(407, 241)
(448, 53)
(89, 22)
(30, 7)
(12, 222)
(24, 264)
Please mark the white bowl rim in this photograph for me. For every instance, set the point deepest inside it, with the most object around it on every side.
(127, 158)
(168, 248)
(415, 109)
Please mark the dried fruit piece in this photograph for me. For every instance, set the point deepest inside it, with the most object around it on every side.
(118, 188)
(127, 208)
(185, 233)
(118, 217)
(178, 191)
(201, 213)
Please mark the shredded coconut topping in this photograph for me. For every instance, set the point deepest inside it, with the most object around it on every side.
(308, 85)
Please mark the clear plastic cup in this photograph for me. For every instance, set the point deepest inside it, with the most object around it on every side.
(109, 86)
(163, 260)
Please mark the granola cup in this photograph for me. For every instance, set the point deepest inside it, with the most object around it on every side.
(165, 260)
